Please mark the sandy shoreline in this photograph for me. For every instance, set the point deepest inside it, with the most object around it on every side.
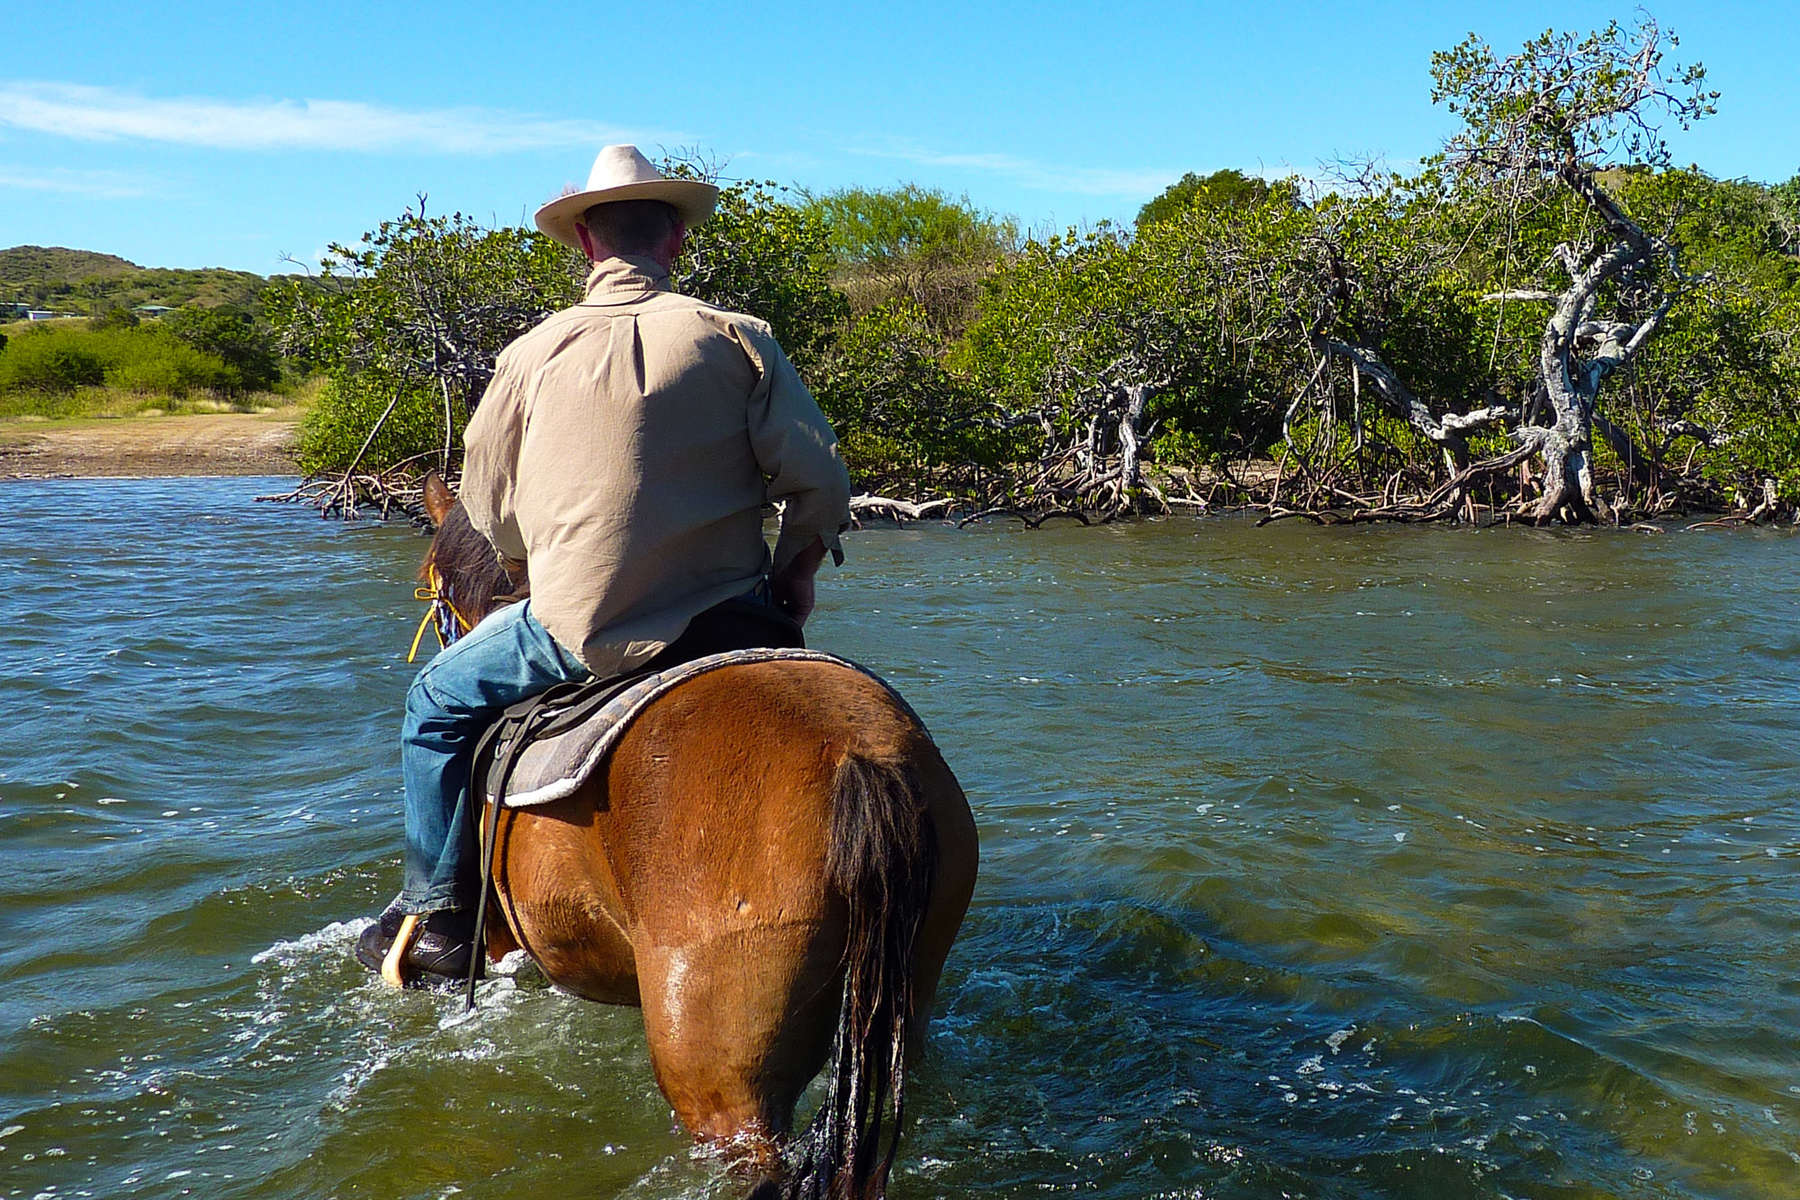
(201, 444)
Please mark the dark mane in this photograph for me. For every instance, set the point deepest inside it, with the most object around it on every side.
(470, 575)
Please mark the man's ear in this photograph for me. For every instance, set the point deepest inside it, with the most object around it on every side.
(586, 237)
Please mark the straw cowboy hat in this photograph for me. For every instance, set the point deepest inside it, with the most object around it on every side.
(622, 173)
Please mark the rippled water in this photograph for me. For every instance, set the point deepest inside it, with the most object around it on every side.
(1373, 862)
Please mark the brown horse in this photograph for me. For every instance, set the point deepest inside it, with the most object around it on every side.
(773, 864)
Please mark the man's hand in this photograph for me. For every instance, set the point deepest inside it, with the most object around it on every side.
(792, 588)
(793, 597)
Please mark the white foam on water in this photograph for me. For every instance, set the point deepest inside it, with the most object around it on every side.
(662, 1182)
(333, 936)
(514, 962)
(494, 1000)
(357, 1077)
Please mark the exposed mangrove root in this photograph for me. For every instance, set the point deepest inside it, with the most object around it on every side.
(900, 510)
(1499, 490)
(395, 491)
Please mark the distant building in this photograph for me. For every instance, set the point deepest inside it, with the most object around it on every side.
(152, 310)
(38, 314)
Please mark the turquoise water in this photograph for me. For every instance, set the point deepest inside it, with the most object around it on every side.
(1316, 862)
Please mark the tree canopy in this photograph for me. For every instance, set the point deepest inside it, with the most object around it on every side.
(915, 245)
(1224, 188)
(760, 254)
(1548, 320)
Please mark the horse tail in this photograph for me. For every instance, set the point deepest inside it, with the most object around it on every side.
(882, 858)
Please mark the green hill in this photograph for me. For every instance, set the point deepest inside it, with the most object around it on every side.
(57, 265)
(85, 281)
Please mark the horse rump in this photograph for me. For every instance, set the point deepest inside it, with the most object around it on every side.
(882, 858)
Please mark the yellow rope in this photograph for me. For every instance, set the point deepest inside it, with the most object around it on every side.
(422, 594)
(433, 596)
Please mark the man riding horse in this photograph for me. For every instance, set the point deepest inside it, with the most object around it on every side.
(622, 455)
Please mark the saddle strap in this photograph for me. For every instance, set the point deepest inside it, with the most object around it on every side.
(563, 706)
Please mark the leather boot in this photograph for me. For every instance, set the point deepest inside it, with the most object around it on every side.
(439, 954)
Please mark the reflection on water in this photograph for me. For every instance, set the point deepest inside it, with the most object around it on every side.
(1373, 862)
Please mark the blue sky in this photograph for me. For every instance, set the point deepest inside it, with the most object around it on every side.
(214, 134)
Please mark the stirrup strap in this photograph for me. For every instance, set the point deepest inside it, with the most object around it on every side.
(478, 947)
(513, 737)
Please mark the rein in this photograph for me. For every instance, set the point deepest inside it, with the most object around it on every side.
(445, 619)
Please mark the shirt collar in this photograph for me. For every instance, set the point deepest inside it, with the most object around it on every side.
(624, 278)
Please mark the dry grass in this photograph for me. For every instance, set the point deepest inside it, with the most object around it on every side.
(10, 328)
(104, 403)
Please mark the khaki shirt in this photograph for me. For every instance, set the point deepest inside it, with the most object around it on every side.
(625, 450)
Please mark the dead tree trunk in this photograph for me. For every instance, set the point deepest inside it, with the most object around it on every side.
(1131, 477)
(1094, 433)
(1579, 351)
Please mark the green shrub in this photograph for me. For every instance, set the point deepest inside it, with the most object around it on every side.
(167, 375)
(144, 359)
(114, 318)
(49, 362)
(895, 406)
(333, 430)
(163, 364)
(43, 405)
(232, 335)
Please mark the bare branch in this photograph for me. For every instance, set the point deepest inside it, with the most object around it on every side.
(1522, 294)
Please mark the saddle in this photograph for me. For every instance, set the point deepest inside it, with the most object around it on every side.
(544, 747)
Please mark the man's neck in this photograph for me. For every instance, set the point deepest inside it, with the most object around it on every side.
(628, 272)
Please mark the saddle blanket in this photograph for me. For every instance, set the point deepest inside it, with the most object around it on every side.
(552, 767)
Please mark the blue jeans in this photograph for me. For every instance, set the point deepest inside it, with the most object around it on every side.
(500, 662)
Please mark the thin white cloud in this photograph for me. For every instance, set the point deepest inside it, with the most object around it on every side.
(1124, 182)
(762, 160)
(91, 113)
(110, 184)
